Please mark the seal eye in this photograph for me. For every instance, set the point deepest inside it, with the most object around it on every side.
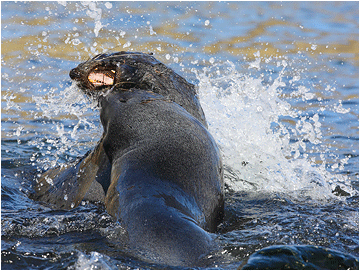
(101, 78)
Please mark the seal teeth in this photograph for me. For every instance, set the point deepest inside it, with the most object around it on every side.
(102, 78)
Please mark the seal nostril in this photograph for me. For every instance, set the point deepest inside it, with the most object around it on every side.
(74, 74)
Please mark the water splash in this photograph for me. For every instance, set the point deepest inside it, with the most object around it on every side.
(260, 151)
(95, 13)
(94, 261)
(72, 125)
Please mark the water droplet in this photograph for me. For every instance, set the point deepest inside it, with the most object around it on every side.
(76, 42)
(152, 32)
(313, 47)
(127, 44)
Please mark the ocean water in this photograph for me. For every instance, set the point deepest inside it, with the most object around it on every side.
(279, 85)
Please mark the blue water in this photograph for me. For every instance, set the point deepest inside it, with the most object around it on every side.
(279, 84)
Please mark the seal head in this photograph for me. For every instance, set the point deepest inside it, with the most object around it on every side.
(134, 70)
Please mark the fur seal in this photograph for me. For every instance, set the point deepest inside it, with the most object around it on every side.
(156, 168)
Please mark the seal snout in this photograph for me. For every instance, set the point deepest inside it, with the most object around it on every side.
(74, 74)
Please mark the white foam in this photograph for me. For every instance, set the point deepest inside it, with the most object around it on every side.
(94, 261)
(243, 115)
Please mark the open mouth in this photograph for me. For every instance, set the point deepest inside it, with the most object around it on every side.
(102, 78)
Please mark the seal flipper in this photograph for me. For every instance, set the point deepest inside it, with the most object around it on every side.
(65, 187)
(100, 184)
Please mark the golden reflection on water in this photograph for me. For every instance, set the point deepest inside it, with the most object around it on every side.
(236, 45)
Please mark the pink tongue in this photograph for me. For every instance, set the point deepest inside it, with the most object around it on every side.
(100, 79)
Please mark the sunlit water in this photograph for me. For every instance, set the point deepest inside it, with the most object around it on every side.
(279, 87)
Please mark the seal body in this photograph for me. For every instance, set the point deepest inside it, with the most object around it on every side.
(156, 168)
(165, 186)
